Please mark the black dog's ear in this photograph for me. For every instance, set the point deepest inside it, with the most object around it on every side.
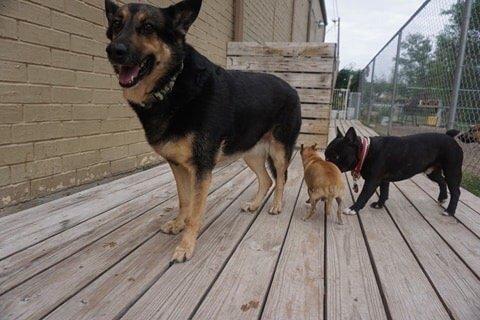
(183, 14)
(339, 133)
(351, 135)
(110, 9)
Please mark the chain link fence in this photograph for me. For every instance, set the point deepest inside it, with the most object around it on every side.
(427, 78)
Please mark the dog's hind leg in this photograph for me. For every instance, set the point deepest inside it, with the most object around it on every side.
(453, 177)
(384, 189)
(436, 176)
(256, 162)
(280, 160)
(339, 210)
(313, 208)
(182, 180)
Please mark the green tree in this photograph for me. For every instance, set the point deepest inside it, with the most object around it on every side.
(344, 76)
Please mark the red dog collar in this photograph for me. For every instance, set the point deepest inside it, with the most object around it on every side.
(362, 154)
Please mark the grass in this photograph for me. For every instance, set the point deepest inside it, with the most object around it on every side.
(471, 183)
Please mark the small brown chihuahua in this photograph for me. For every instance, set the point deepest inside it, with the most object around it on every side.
(324, 182)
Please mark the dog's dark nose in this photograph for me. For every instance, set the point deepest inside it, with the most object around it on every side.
(117, 51)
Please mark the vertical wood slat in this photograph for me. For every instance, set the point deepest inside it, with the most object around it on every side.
(308, 67)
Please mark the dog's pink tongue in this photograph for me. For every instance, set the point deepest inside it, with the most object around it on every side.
(127, 74)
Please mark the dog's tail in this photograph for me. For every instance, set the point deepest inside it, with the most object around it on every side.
(271, 166)
(453, 133)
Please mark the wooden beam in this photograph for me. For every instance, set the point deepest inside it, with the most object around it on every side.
(238, 20)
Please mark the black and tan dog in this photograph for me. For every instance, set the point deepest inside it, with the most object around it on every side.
(382, 160)
(196, 114)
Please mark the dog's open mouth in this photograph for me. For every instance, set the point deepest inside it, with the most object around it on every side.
(130, 75)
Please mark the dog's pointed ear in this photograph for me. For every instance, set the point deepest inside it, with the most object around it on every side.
(110, 9)
(314, 147)
(339, 133)
(351, 135)
(183, 14)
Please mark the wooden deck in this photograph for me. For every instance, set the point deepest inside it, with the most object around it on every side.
(99, 254)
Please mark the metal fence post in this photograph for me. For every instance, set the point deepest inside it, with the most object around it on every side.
(459, 64)
(395, 80)
(371, 93)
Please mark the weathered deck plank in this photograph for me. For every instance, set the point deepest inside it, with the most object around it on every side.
(297, 289)
(27, 228)
(241, 289)
(25, 264)
(40, 295)
(180, 290)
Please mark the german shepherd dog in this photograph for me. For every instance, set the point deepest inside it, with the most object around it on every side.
(197, 115)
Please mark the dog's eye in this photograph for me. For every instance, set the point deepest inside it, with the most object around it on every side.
(147, 28)
(116, 25)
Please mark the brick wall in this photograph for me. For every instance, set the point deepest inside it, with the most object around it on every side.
(63, 121)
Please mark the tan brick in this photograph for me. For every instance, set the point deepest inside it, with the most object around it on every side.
(40, 35)
(55, 148)
(88, 46)
(90, 112)
(108, 97)
(27, 132)
(8, 27)
(18, 173)
(17, 153)
(24, 52)
(25, 11)
(134, 136)
(99, 33)
(93, 80)
(115, 125)
(22, 93)
(101, 65)
(13, 71)
(54, 4)
(4, 176)
(80, 160)
(5, 134)
(49, 112)
(70, 24)
(49, 185)
(43, 168)
(48, 75)
(114, 153)
(96, 3)
(13, 194)
(93, 173)
(139, 148)
(71, 95)
(72, 61)
(81, 128)
(135, 123)
(121, 111)
(123, 165)
(84, 11)
(10, 113)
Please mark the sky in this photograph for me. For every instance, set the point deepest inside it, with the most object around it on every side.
(366, 25)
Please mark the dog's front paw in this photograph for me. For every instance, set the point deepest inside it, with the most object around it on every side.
(349, 212)
(275, 209)
(174, 226)
(376, 205)
(442, 201)
(182, 253)
(250, 207)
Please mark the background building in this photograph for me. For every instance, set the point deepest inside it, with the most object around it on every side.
(63, 121)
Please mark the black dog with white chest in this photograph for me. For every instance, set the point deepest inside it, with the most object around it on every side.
(390, 159)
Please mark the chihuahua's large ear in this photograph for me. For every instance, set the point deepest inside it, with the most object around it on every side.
(110, 9)
(339, 133)
(184, 14)
(351, 135)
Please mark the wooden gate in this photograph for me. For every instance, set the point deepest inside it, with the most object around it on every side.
(308, 67)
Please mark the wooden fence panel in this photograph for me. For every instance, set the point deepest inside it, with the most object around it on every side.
(308, 67)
